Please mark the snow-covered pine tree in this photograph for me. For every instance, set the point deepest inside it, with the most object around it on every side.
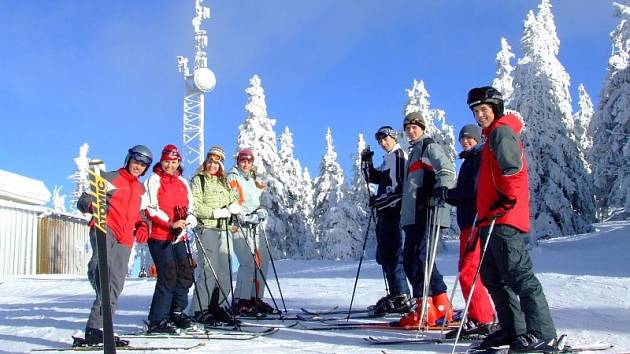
(503, 79)
(560, 188)
(610, 126)
(418, 101)
(334, 216)
(80, 176)
(257, 133)
(311, 250)
(582, 120)
(299, 240)
(359, 197)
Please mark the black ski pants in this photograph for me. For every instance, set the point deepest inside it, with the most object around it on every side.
(389, 239)
(518, 296)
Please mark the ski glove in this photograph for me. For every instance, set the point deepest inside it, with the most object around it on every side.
(222, 213)
(501, 207)
(235, 208)
(191, 221)
(142, 232)
(250, 219)
(440, 195)
(262, 214)
(366, 155)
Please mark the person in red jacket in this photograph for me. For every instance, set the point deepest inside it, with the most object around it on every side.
(123, 223)
(167, 203)
(503, 202)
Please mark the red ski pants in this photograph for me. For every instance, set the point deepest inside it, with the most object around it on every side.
(480, 309)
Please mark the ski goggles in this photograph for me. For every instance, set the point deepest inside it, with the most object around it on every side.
(244, 157)
(215, 158)
(384, 132)
(171, 155)
(136, 156)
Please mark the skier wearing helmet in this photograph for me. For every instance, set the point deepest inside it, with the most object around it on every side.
(252, 258)
(124, 224)
(503, 202)
(167, 203)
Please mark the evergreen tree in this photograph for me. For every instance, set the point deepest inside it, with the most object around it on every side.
(503, 79)
(59, 200)
(334, 216)
(80, 176)
(311, 250)
(560, 188)
(582, 120)
(359, 197)
(610, 127)
(257, 133)
(299, 239)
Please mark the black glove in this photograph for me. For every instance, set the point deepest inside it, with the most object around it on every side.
(501, 207)
(439, 195)
(366, 155)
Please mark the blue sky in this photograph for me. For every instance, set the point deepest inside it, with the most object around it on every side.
(105, 72)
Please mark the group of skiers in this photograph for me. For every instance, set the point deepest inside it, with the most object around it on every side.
(223, 208)
(491, 195)
(492, 199)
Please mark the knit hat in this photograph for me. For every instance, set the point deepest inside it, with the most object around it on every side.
(169, 153)
(217, 151)
(415, 118)
(245, 154)
(470, 131)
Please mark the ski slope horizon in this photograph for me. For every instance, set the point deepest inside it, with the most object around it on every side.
(586, 279)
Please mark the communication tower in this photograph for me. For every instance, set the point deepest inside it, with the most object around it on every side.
(197, 83)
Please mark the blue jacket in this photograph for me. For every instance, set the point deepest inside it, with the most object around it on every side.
(464, 195)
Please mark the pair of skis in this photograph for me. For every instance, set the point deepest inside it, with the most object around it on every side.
(148, 349)
(561, 348)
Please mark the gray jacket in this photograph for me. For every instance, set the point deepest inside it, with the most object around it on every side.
(422, 174)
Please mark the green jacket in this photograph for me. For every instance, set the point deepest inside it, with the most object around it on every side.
(213, 195)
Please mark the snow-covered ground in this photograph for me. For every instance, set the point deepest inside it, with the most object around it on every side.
(586, 279)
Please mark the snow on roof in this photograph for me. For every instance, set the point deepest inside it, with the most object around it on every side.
(23, 189)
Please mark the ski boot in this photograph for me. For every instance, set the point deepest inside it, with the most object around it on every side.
(412, 319)
(391, 304)
(222, 315)
(180, 320)
(472, 330)
(162, 327)
(205, 317)
(442, 305)
(529, 343)
(94, 336)
(263, 307)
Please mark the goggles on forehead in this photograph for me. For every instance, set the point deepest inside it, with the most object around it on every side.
(384, 132)
(171, 154)
(249, 158)
(140, 158)
(215, 158)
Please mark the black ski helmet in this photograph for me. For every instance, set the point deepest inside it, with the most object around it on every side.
(139, 153)
(486, 94)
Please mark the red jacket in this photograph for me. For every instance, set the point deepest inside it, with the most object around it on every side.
(124, 193)
(503, 174)
(164, 194)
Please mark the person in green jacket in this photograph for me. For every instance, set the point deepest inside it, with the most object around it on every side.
(214, 206)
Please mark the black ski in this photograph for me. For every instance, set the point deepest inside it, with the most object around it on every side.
(325, 326)
(335, 310)
(390, 341)
(561, 348)
(148, 349)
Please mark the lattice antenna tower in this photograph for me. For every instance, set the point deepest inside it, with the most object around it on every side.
(197, 83)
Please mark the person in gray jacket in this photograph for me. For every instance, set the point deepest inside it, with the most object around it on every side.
(428, 173)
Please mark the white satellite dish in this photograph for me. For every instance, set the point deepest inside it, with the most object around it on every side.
(204, 79)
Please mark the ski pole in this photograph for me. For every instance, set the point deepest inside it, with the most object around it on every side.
(434, 244)
(229, 259)
(356, 279)
(366, 176)
(259, 270)
(425, 282)
(196, 291)
(273, 265)
(450, 304)
(207, 261)
(472, 286)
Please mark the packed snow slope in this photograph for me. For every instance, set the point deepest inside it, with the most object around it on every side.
(586, 279)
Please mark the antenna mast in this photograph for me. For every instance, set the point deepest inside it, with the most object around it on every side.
(196, 84)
